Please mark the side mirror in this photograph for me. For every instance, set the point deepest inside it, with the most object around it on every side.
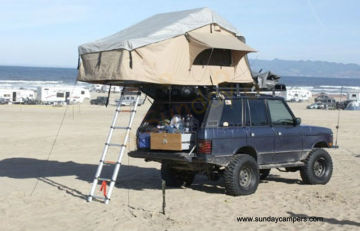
(297, 121)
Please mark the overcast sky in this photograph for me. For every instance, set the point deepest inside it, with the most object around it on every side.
(48, 32)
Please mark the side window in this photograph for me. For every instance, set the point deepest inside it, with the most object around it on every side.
(218, 57)
(279, 113)
(232, 113)
(258, 112)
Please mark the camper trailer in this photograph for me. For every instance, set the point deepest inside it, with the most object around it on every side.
(354, 96)
(278, 90)
(114, 89)
(17, 95)
(97, 88)
(51, 95)
(298, 94)
(6, 94)
(129, 98)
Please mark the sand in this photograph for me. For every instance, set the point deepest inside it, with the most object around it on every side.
(62, 182)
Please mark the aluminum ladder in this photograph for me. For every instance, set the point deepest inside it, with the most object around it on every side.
(117, 164)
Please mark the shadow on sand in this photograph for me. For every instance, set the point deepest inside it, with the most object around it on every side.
(277, 178)
(130, 177)
(23, 168)
(328, 220)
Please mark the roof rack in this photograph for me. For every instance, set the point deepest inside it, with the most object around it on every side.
(235, 91)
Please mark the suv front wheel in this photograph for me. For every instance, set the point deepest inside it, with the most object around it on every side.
(241, 175)
(318, 167)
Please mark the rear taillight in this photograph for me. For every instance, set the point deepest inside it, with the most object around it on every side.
(204, 147)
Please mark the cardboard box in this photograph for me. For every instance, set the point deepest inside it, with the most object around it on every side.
(165, 141)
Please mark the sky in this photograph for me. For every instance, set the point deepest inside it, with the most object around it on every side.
(47, 32)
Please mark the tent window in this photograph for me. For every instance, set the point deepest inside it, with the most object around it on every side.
(219, 57)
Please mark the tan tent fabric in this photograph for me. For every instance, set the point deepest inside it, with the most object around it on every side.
(169, 61)
(219, 40)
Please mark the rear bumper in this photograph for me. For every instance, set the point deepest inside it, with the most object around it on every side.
(160, 155)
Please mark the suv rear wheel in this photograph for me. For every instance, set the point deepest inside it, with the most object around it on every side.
(318, 167)
(241, 175)
(174, 177)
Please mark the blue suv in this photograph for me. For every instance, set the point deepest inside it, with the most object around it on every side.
(240, 137)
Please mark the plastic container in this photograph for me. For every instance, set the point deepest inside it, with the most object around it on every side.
(144, 140)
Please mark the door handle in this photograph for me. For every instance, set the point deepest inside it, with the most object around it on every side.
(279, 133)
(252, 134)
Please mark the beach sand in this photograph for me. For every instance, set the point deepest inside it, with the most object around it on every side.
(40, 194)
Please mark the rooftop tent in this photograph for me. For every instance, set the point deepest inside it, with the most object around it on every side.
(192, 47)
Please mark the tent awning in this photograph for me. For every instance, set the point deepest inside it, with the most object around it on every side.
(219, 40)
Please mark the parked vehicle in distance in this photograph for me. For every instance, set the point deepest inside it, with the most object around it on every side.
(129, 98)
(353, 96)
(343, 104)
(298, 94)
(238, 137)
(17, 96)
(324, 98)
(100, 100)
(68, 95)
(4, 101)
(317, 105)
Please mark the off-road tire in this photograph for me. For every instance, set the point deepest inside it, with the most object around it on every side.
(176, 178)
(235, 184)
(264, 173)
(318, 167)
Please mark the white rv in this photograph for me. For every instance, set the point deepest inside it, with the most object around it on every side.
(114, 89)
(298, 94)
(97, 88)
(17, 95)
(51, 95)
(129, 98)
(355, 96)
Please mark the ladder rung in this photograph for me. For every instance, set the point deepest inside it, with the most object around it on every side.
(104, 179)
(109, 162)
(123, 146)
(116, 127)
(118, 145)
(125, 110)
